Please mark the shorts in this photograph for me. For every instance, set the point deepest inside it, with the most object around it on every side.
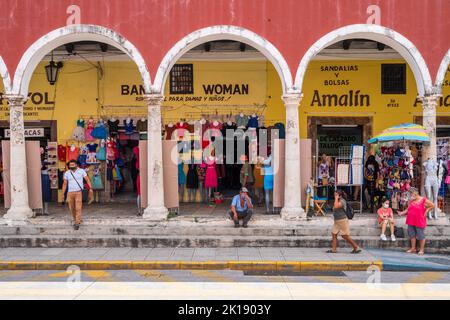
(416, 232)
(341, 226)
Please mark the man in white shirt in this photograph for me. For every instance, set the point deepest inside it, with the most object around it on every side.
(74, 184)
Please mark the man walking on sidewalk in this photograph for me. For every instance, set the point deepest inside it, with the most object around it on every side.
(241, 208)
(74, 181)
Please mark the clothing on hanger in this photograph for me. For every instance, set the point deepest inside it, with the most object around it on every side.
(129, 128)
(113, 126)
(99, 131)
(89, 129)
(141, 125)
(78, 132)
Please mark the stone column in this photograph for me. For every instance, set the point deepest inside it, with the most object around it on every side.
(155, 183)
(429, 104)
(292, 186)
(20, 209)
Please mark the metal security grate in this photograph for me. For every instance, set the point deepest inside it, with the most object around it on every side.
(393, 78)
(182, 79)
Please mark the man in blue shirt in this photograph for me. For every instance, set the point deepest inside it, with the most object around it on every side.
(241, 208)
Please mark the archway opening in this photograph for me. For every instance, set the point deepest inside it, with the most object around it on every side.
(222, 101)
(354, 89)
(93, 113)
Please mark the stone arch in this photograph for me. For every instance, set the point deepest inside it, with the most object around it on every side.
(377, 33)
(445, 63)
(222, 32)
(5, 76)
(72, 33)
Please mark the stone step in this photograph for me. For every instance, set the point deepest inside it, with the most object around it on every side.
(100, 230)
(434, 244)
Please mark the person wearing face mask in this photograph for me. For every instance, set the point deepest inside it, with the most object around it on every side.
(385, 218)
(73, 183)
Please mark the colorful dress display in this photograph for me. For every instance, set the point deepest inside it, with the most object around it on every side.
(99, 131)
(181, 174)
(211, 174)
(97, 182)
(92, 153)
(89, 128)
(101, 154)
(78, 133)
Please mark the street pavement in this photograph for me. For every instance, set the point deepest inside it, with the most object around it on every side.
(76, 283)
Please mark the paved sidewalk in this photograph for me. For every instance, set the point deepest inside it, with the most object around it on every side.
(298, 259)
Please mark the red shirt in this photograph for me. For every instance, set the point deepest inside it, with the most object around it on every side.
(416, 214)
(385, 213)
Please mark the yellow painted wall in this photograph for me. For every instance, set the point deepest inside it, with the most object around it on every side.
(78, 87)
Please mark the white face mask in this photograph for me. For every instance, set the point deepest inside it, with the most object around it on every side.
(386, 205)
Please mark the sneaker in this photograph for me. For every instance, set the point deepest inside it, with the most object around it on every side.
(383, 237)
(76, 227)
(393, 238)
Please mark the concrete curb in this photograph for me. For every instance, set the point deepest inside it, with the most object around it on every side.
(294, 266)
(270, 266)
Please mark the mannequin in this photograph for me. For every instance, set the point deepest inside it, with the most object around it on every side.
(46, 190)
(431, 184)
(268, 181)
(192, 181)
(181, 180)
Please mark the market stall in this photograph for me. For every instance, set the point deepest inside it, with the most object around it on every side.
(399, 166)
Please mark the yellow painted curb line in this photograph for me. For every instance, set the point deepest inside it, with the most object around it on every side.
(293, 266)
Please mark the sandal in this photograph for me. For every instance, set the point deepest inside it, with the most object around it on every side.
(421, 253)
(356, 251)
(411, 251)
(331, 251)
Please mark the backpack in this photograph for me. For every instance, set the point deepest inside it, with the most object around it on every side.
(349, 211)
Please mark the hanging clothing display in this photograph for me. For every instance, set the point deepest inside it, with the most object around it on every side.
(82, 157)
(169, 128)
(241, 121)
(99, 131)
(281, 130)
(141, 125)
(45, 185)
(181, 174)
(129, 128)
(253, 121)
(88, 131)
(111, 150)
(268, 173)
(92, 153)
(101, 154)
(211, 174)
(113, 126)
(192, 177)
(62, 153)
(96, 178)
(181, 129)
(78, 133)
(72, 153)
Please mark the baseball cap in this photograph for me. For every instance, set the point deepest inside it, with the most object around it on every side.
(244, 189)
